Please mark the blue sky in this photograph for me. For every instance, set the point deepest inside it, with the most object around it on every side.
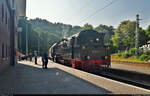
(75, 11)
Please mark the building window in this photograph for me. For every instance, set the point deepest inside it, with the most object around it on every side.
(6, 51)
(13, 3)
(2, 12)
(6, 18)
(3, 51)
(8, 23)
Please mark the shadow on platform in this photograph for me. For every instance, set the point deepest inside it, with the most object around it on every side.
(29, 79)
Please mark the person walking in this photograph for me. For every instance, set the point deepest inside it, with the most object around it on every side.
(19, 55)
(35, 57)
(45, 60)
(30, 56)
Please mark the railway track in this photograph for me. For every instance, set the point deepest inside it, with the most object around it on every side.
(128, 77)
(133, 78)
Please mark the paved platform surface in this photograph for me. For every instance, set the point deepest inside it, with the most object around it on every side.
(27, 78)
(140, 69)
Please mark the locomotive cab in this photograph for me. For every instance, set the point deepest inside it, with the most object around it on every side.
(84, 50)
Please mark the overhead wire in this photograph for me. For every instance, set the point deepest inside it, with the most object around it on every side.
(101, 9)
(81, 8)
(84, 6)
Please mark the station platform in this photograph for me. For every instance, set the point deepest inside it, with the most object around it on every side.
(28, 78)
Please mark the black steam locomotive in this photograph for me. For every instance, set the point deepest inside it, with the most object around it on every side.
(84, 50)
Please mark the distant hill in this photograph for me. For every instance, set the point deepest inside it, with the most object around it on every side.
(42, 34)
(58, 29)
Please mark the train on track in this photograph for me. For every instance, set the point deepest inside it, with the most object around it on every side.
(85, 51)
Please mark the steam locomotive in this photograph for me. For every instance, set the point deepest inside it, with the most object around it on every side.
(84, 50)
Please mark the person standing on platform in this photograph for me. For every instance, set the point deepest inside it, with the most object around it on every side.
(45, 60)
(35, 57)
(30, 56)
(19, 56)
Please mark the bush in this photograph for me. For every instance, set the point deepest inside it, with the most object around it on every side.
(147, 53)
(132, 51)
(144, 57)
(119, 54)
(125, 55)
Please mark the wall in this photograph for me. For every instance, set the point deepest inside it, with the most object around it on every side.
(4, 35)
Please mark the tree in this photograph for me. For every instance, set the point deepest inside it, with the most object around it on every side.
(87, 27)
(143, 37)
(32, 36)
(124, 37)
(108, 30)
(148, 31)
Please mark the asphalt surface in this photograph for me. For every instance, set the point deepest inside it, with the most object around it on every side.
(28, 78)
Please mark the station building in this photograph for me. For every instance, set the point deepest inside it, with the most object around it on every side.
(10, 10)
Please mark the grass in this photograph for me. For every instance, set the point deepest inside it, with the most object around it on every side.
(130, 59)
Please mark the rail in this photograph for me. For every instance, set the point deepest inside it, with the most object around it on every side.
(129, 77)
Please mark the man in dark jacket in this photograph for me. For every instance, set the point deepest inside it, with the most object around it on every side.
(45, 60)
(35, 56)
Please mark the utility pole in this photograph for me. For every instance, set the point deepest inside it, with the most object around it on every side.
(137, 36)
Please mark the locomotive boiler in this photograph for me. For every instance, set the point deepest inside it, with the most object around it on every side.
(84, 50)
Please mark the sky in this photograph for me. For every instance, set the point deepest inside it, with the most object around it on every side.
(80, 12)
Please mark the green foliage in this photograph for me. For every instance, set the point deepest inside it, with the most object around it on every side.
(125, 55)
(148, 31)
(108, 30)
(31, 35)
(143, 37)
(132, 51)
(58, 29)
(119, 54)
(144, 57)
(147, 53)
(47, 33)
(124, 37)
(43, 34)
(87, 27)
